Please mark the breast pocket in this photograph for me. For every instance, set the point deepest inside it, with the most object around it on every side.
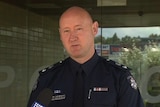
(102, 99)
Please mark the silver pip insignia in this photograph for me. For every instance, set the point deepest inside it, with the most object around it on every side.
(132, 82)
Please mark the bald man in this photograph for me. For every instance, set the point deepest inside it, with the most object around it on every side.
(85, 79)
(77, 32)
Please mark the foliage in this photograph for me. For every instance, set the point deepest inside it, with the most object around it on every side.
(152, 57)
(100, 39)
(130, 56)
(133, 59)
(125, 41)
(139, 60)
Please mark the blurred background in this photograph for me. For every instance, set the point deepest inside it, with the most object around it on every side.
(129, 33)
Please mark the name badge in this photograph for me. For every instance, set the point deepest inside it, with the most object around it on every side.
(58, 97)
(100, 89)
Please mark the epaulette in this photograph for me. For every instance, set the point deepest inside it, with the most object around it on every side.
(50, 68)
(117, 65)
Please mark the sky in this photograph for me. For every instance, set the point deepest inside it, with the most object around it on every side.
(130, 31)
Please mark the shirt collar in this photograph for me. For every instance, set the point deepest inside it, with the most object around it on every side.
(87, 66)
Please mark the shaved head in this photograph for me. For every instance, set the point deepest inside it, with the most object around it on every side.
(76, 11)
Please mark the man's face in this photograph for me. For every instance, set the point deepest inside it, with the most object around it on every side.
(77, 35)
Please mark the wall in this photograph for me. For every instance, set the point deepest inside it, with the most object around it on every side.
(28, 43)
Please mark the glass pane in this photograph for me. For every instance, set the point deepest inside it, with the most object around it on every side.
(139, 49)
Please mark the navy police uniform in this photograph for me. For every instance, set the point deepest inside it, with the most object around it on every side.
(107, 84)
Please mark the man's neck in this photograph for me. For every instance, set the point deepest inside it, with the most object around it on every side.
(82, 60)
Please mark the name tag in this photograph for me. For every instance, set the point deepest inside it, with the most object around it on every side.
(58, 97)
(100, 89)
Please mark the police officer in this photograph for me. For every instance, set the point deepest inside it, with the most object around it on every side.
(105, 83)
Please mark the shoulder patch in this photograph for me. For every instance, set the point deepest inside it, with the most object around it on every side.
(48, 69)
(117, 65)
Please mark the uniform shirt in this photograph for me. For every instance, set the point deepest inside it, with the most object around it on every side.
(107, 84)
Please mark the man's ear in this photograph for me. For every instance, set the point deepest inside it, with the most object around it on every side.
(95, 27)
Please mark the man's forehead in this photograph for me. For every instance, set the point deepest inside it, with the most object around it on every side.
(68, 27)
(74, 22)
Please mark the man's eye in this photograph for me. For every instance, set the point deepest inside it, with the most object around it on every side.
(66, 31)
(79, 28)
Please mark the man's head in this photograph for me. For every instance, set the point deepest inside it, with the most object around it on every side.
(77, 32)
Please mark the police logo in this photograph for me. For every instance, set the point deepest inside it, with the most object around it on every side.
(132, 82)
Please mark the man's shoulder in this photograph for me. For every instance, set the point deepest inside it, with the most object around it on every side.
(52, 68)
(116, 65)
(47, 74)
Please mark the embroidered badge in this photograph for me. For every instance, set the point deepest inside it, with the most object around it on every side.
(132, 82)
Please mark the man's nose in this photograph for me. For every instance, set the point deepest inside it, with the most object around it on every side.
(73, 36)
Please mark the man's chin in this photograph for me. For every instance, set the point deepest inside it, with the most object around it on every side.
(76, 56)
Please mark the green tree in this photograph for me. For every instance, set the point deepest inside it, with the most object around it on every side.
(115, 39)
(153, 35)
(127, 41)
(99, 39)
